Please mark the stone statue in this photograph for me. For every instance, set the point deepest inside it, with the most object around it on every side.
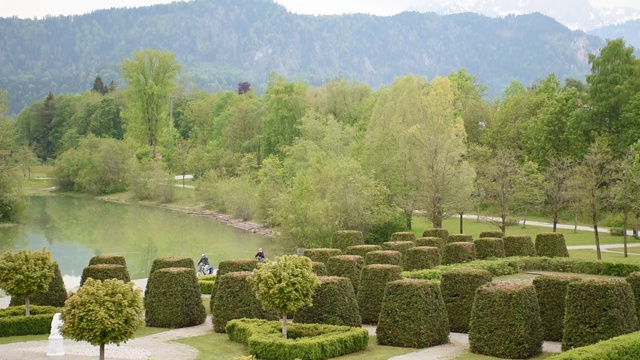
(56, 324)
(56, 346)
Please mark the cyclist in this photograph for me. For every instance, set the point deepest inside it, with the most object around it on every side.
(260, 255)
(203, 264)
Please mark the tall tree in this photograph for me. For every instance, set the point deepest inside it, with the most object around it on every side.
(556, 187)
(470, 104)
(627, 187)
(26, 273)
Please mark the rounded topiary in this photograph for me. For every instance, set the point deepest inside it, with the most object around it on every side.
(485, 248)
(174, 299)
(168, 262)
(371, 292)
(108, 259)
(334, 303)
(362, 250)
(402, 236)
(422, 257)
(105, 271)
(342, 239)
(456, 253)
(459, 238)
(56, 295)
(413, 315)
(596, 310)
(235, 299)
(348, 266)
(321, 254)
(505, 321)
(518, 245)
(458, 291)
(491, 234)
(229, 266)
(391, 257)
(552, 291)
(551, 245)
(634, 280)
(432, 241)
(319, 268)
(437, 232)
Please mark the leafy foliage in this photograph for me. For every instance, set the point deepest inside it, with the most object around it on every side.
(26, 273)
(551, 245)
(552, 291)
(334, 303)
(422, 257)
(372, 286)
(55, 295)
(458, 291)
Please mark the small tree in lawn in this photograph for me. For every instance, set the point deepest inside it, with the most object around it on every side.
(102, 313)
(26, 273)
(285, 285)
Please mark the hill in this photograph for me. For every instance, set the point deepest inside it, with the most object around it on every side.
(629, 30)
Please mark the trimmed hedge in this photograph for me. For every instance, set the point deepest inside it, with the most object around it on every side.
(491, 234)
(437, 232)
(371, 292)
(597, 310)
(229, 266)
(460, 252)
(108, 259)
(458, 291)
(206, 283)
(413, 315)
(485, 248)
(171, 262)
(518, 245)
(459, 238)
(624, 347)
(342, 239)
(551, 245)
(174, 299)
(56, 295)
(103, 272)
(391, 257)
(634, 280)
(348, 266)
(306, 341)
(321, 254)
(401, 246)
(505, 321)
(319, 268)
(552, 291)
(362, 250)
(432, 241)
(422, 257)
(14, 322)
(334, 303)
(402, 236)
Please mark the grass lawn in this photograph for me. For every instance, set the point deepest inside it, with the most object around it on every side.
(23, 338)
(606, 256)
(467, 355)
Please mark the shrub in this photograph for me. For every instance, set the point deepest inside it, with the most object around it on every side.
(634, 280)
(149, 181)
(401, 246)
(505, 321)
(334, 303)
(55, 295)
(432, 241)
(206, 286)
(459, 238)
(518, 245)
(422, 257)
(174, 299)
(321, 254)
(551, 245)
(108, 259)
(168, 262)
(14, 322)
(413, 314)
(402, 236)
(552, 290)
(455, 253)
(491, 234)
(437, 232)
(362, 250)
(597, 310)
(485, 248)
(380, 233)
(229, 266)
(105, 271)
(319, 268)
(624, 347)
(390, 257)
(371, 292)
(348, 266)
(342, 239)
(458, 291)
(615, 231)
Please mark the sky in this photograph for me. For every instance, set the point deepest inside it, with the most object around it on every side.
(41, 8)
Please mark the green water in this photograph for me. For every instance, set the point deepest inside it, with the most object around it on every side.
(75, 229)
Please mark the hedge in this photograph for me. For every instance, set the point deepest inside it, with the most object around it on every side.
(174, 299)
(552, 291)
(14, 322)
(485, 248)
(518, 245)
(505, 321)
(319, 268)
(413, 315)
(460, 252)
(371, 292)
(634, 280)
(108, 259)
(306, 341)
(334, 303)
(459, 238)
(206, 283)
(391, 257)
(624, 347)
(437, 232)
(321, 254)
(596, 310)
(422, 257)
(172, 262)
(229, 266)
(56, 295)
(615, 231)
(432, 241)
(551, 245)
(105, 271)
(491, 234)
(342, 239)
(402, 236)
(348, 266)
(458, 291)
(362, 250)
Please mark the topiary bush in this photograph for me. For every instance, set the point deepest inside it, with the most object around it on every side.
(401, 246)
(459, 238)
(432, 241)
(108, 259)
(371, 292)
(174, 299)
(596, 310)
(491, 234)
(623, 347)
(505, 321)
(168, 262)
(14, 322)
(456, 253)
(458, 291)
(391, 257)
(421, 257)
(342, 239)
(334, 303)
(105, 271)
(402, 236)
(348, 266)
(229, 266)
(485, 248)
(551, 245)
(437, 232)
(634, 280)
(551, 291)
(518, 245)
(55, 295)
(413, 315)
(362, 250)
(321, 254)
(319, 268)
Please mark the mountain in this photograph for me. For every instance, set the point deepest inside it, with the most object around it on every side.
(223, 42)
(629, 30)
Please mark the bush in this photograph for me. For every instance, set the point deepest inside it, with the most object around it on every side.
(55, 295)
(485, 248)
(455, 253)
(108, 259)
(552, 290)
(105, 271)
(518, 245)
(362, 250)
(206, 284)
(149, 181)
(624, 347)
(458, 291)
(422, 257)
(413, 315)
(168, 262)
(174, 299)
(382, 232)
(437, 232)
(342, 239)
(597, 310)
(615, 231)
(229, 266)
(491, 234)
(634, 280)
(505, 321)
(401, 246)
(348, 266)
(371, 292)
(390, 257)
(319, 268)
(402, 236)
(459, 238)
(334, 303)
(14, 322)
(432, 241)
(321, 254)
(551, 245)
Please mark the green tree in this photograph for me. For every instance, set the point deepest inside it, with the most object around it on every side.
(556, 187)
(26, 273)
(285, 285)
(26, 159)
(102, 313)
(627, 187)
(470, 105)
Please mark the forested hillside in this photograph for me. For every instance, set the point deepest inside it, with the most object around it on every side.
(629, 30)
(223, 42)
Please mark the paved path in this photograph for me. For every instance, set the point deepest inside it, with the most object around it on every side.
(545, 224)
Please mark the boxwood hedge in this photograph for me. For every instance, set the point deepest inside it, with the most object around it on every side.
(432, 241)
(422, 257)
(229, 266)
(108, 259)
(485, 248)
(349, 266)
(624, 347)
(459, 252)
(14, 322)
(56, 295)
(437, 232)
(634, 280)
(551, 245)
(459, 238)
(402, 236)
(319, 268)
(551, 291)
(105, 271)
(491, 234)
(391, 257)
(458, 291)
(334, 303)
(342, 239)
(321, 254)
(518, 245)
(174, 299)
(170, 262)
(371, 292)
(362, 250)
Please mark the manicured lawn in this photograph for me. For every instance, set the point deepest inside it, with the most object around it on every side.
(528, 277)
(606, 256)
(16, 339)
(467, 355)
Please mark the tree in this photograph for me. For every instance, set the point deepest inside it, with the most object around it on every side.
(627, 187)
(150, 78)
(99, 86)
(243, 87)
(102, 313)
(26, 159)
(556, 187)
(26, 273)
(470, 105)
(285, 285)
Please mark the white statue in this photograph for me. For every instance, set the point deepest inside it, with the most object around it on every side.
(56, 346)
(56, 324)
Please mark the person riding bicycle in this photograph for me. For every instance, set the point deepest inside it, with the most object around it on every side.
(204, 262)
(260, 255)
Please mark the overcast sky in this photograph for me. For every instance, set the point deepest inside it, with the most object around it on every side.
(40, 8)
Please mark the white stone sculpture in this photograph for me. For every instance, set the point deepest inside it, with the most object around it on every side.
(56, 345)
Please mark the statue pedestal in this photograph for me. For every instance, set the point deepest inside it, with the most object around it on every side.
(56, 346)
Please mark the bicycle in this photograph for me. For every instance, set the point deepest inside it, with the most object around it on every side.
(202, 270)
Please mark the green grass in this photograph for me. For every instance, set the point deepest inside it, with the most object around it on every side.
(23, 338)
(528, 277)
(467, 355)
(606, 256)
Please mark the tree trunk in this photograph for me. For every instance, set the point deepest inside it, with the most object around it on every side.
(461, 216)
(27, 305)
(408, 214)
(595, 231)
(284, 325)
(575, 223)
(101, 351)
(624, 228)
(524, 221)
(503, 224)
(635, 225)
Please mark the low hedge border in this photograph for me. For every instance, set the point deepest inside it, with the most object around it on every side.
(14, 322)
(306, 341)
(624, 347)
(206, 283)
